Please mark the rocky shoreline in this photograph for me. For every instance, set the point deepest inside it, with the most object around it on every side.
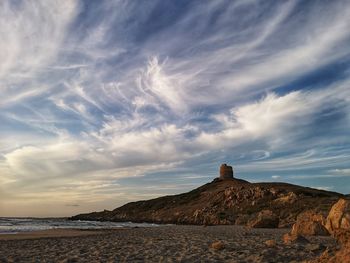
(314, 237)
(225, 202)
(311, 214)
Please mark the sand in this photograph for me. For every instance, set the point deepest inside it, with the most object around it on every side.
(159, 244)
(49, 233)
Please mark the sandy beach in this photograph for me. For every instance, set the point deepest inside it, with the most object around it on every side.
(158, 244)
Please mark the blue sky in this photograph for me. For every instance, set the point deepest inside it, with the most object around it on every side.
(106, 102)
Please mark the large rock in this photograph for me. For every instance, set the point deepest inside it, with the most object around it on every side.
(295, 238)
(341, 255)
(264, 219)
(218, 245)
(271, 243)
(339, 216)
(226, 172)
(309, 223)
(342, 236)
(338, 224)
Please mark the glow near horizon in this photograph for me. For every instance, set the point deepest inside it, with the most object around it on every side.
(107, 102)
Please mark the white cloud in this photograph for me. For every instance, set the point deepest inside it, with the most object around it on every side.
(124, 148)
(270, 117)
(340, 172)
(44, 161)
(83, 107)
(31, 33)
(304, 55)
(310, 159)
(325, 188)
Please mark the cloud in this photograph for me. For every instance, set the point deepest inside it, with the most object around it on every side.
(275, 176)
(325, 188)
(156, 84)
(51, 160)
(341, 172)
(254, 121)
(31, 34)
(95, 96)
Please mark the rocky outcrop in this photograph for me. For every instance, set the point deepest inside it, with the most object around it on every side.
(342, 236)
(341, 255)
(226, 172)
(233, 201)
(339, 216)
(289, 198)
(264, 219)
(337, 224)
(206, 216)
(309, 223)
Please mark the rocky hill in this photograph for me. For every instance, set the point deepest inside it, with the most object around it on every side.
(224, 201)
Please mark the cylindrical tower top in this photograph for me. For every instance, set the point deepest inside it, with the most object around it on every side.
(226, 171)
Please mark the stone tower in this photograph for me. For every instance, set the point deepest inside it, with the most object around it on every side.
(226, 172)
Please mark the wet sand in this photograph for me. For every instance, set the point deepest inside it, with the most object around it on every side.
(158, 244)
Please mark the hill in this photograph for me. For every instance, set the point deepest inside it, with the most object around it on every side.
(229, 201)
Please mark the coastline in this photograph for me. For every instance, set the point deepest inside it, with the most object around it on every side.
(174, 243)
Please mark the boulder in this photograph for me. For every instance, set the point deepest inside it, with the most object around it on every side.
(264, 219)
(309, 223)
(218, 245)
(341, 255)
(338, 224)
(271, 243)
(339, 216)
(289, 238)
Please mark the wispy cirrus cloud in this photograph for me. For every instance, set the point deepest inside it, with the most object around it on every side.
(95, 95)
(31, 33)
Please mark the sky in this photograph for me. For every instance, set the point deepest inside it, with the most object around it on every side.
(107, 102)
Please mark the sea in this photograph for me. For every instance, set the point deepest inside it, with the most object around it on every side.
(11, 225)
